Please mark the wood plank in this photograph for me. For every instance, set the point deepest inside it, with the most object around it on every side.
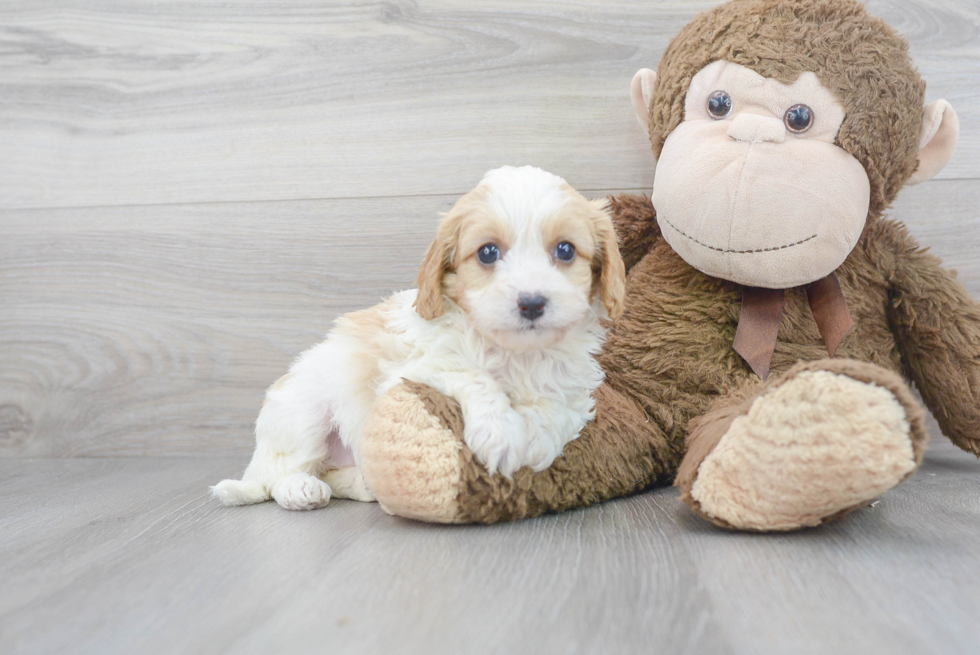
(121, 324)
(154, 330)
(138, 103)
(130, 555)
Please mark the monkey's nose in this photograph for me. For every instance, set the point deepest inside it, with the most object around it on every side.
(531, 307)
(755, 128)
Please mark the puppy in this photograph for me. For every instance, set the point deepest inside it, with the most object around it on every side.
(505, 320)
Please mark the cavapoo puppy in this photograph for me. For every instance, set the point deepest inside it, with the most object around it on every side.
(505, 320)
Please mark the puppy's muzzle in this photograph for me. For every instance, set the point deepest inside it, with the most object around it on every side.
(531, 307)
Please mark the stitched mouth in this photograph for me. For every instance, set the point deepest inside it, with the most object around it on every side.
(737, 252)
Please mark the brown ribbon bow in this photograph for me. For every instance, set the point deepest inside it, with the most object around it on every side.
(762, 310)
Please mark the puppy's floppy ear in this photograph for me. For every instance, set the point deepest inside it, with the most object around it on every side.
(439, 260)
(610, 280)
(428, 303)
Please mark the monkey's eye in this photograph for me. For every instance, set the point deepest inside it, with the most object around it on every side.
(565, 251)
(719, 105)
(798, 119)
(488, 253)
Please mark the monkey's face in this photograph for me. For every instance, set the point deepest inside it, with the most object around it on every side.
(750, 186)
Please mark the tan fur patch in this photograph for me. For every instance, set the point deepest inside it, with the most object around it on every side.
(610, 278)
(367, 327)
(574, 224)
(278, 384)
(438, 266)
(470, 276)
(480, 228)
(588, 225)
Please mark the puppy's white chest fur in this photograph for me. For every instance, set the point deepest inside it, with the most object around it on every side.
(520, 408)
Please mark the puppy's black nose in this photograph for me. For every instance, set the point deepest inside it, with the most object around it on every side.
(531, 306)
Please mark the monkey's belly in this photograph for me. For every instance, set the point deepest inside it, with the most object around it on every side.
(672, 350)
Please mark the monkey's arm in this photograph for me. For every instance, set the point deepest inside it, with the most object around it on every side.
(636, 226)
(937, 327)
(416, 464)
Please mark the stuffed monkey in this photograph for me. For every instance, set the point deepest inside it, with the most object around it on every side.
(774, 315)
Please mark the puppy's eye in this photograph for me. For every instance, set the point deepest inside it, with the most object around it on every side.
(798, 119)
(719, 105)
(488, 253)
(565, 251)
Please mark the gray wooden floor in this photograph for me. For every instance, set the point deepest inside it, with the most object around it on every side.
(191, 192)
(115, 555)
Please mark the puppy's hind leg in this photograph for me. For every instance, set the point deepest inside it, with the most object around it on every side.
(240, 492)
(265, 479)
(349, 483)
(290, 451)
(301, 491)
(254, 486)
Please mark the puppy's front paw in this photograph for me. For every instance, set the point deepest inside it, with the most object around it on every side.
(499, 440)
(541, 453)
(301, 491)
(547, 436)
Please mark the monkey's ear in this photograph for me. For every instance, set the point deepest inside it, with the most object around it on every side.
(937, 140)
(641, 90)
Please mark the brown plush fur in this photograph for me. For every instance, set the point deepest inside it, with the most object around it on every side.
(937, 330)
(669, 358)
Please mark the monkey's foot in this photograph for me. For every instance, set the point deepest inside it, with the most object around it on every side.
(826, 438)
